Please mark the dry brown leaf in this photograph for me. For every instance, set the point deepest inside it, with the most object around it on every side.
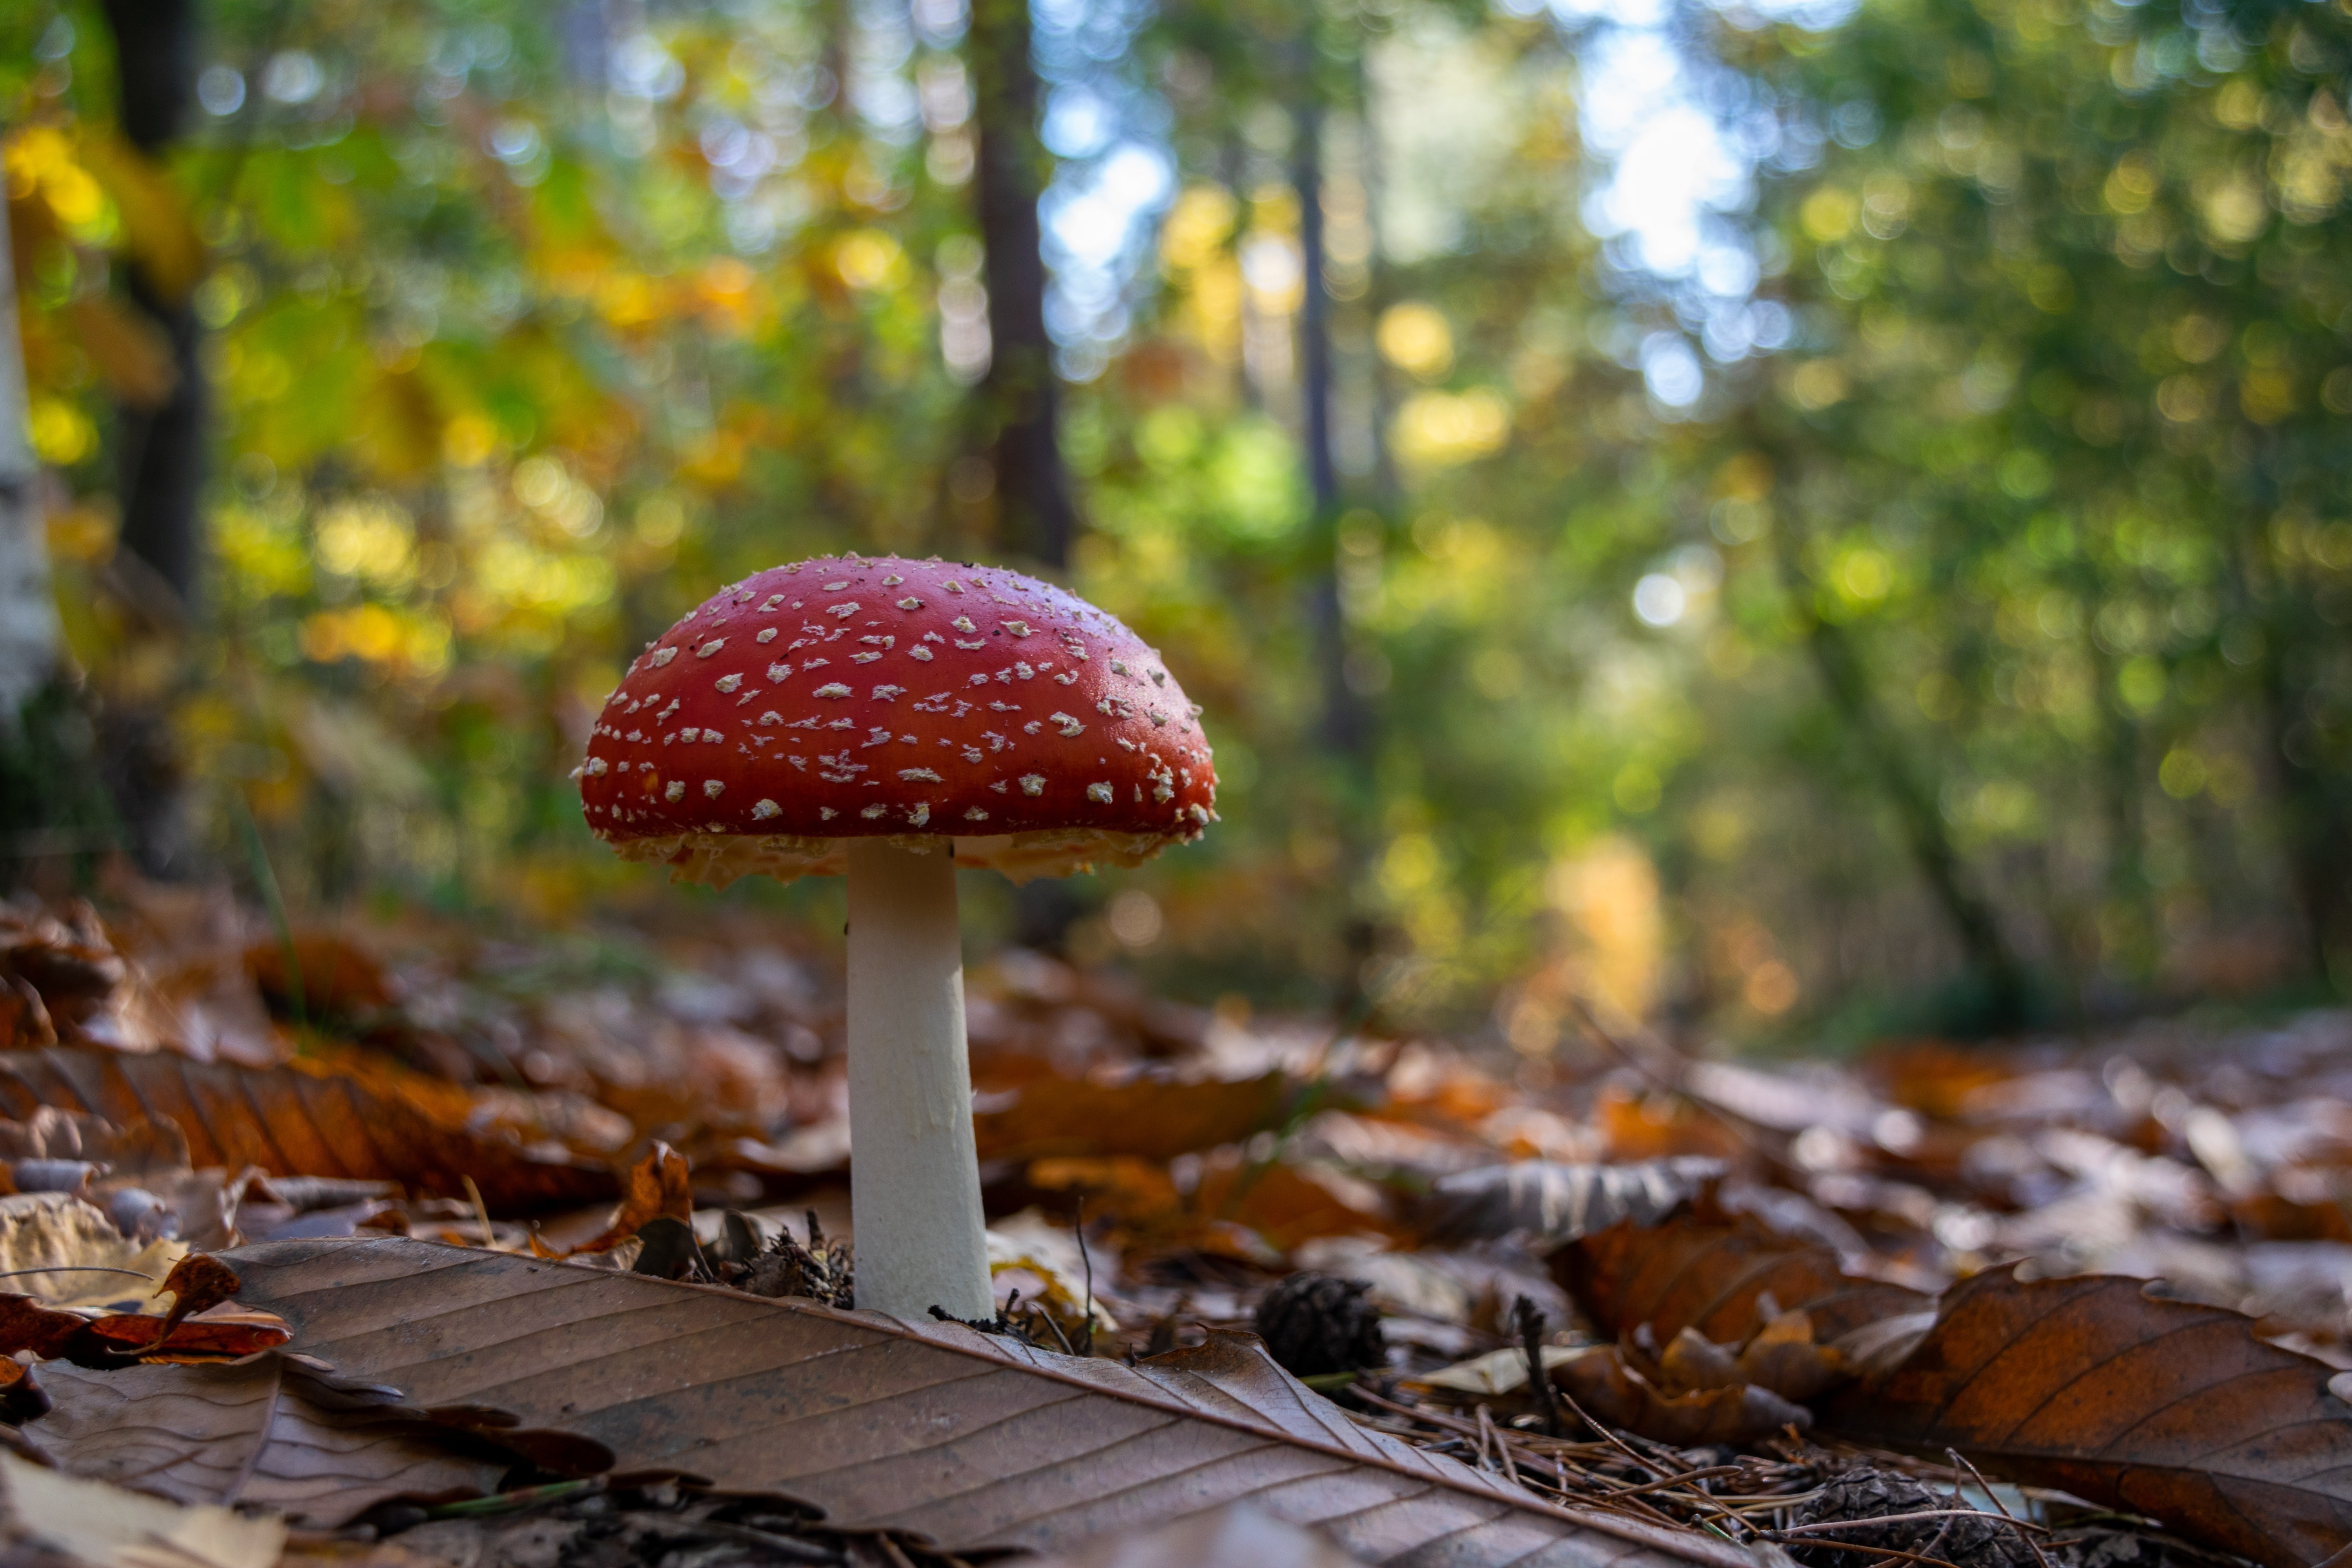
(1288, 1203)
(1558, 1201)
(52, 1245)
(329, 975)
(197, 1283)
(2163, 1407)
(1606, 1386)
(1784, 1358)
(63, 958)
(97, 1524)
(970, 1440)
(1147, 1118)
(359, 1119)
(1709, 1271)
(656, 1185)
(267, 1433)
(119, 1339)
(25, 1022)
(1229, 1537)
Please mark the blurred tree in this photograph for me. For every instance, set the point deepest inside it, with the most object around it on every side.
(1983, 620)
(29, 620)
(1020, 401)
(160, 441)
(2061, 425)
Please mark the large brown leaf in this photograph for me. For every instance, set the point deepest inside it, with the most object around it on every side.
(1558, 1201)
(1147, 1117)
(1709, 1271)
(271, 1433)
(362, 1120)
(2163, 1407)
(970, 1440)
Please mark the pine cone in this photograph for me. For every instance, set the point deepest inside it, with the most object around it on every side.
(1865, 1493)
(1313, 1323)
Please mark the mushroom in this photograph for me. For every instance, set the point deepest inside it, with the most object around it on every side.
(892, 719)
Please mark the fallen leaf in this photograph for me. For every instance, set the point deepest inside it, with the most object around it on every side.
(63, 957)
(120, 1339)
(367, 1121)
(1709, 1271)
(141, 1148)
(970, 1439)
(1288, 1203)
(1497, 1371)
(656, 1185)
(197, 1283)
(1224, 1539)
(2163, 1407)
(268, 1433)
(1606, 1386)
(1784, 1357)
(1147, 1117)
(26, 1325)
(25, 1022)
(330, 975)
(1556, 1201)
(106, 1526)
(62, 1248)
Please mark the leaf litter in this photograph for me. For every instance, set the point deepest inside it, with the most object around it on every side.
(1762, 1295)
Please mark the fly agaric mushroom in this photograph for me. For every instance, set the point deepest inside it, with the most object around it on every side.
(893, 719)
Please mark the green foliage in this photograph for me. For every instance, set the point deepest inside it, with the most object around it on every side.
(2033, 551)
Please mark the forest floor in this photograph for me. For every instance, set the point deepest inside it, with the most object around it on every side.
(512, 1251)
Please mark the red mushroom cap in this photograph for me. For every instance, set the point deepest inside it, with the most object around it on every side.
(847, 697)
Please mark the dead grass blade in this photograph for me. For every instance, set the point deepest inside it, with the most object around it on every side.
(970, 1441)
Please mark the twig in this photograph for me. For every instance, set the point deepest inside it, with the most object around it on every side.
(1993, 1497)
(1087, 1259)
(1608, 1436)
(1038, 1310)
(1530, 1324)
(1510, 1463)
(1774, 1535)
(1820, 1526)
(1960, 1461)
(1677, 1480)
(783, 1546)
(514, 1502)
(1655, 1469)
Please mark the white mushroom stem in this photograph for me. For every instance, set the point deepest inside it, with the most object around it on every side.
(913, 1176)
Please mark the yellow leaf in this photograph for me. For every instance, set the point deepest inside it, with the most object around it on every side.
(129, 352)
(157, 228)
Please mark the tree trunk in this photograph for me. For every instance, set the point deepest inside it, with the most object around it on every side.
(1018, 400)
(2002, 1005)
(28, 616)
(1346, 727)
(160, 450)
(2316, 816)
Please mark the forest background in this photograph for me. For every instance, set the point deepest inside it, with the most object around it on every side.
(1804, 518)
